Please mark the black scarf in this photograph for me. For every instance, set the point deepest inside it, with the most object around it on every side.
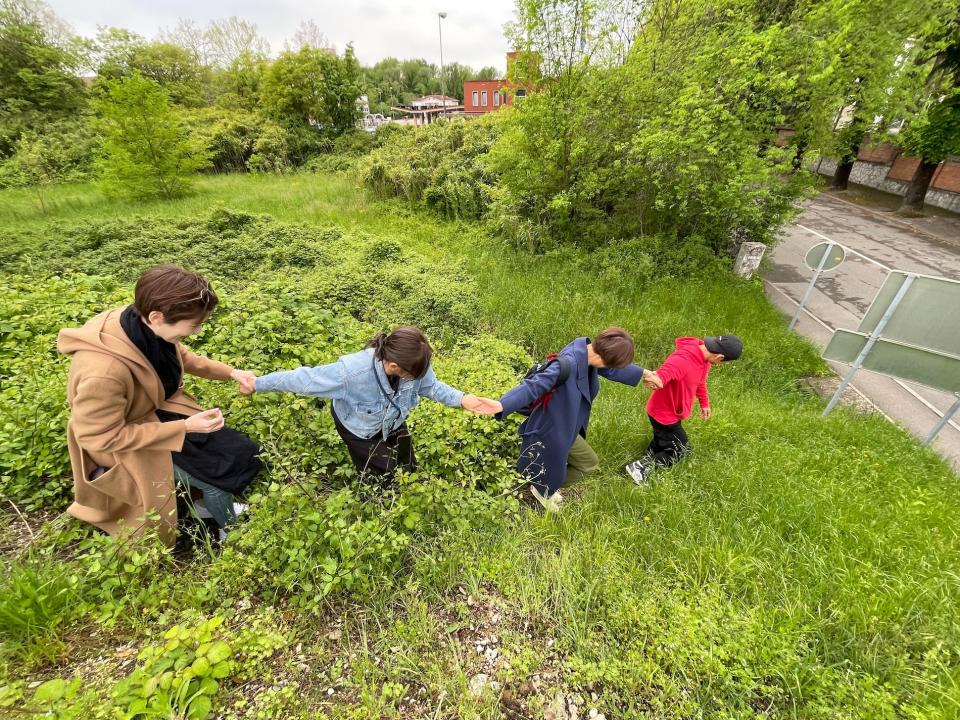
(162, 355)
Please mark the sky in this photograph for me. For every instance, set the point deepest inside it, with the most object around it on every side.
(472, 31)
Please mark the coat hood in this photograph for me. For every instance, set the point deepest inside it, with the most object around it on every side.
(103, 335)
(690, 346)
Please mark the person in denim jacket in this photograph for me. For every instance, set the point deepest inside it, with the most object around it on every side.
(373, 392)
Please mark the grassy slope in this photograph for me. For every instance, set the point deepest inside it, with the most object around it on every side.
(817, 558)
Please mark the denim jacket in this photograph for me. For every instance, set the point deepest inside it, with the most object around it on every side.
(361, 393)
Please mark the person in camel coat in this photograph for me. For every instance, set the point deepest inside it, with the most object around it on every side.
(131, 421)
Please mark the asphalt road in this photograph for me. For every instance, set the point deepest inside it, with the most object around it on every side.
(842, 296)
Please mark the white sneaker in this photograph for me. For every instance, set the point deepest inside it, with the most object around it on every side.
(640, 472)
(551, 503)
(201, 508)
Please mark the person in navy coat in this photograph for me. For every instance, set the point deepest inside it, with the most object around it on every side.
(554, 449)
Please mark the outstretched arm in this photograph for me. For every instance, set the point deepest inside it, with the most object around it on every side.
(529, 389)
(204, 367)
(326, 381)
(435, 389)
(215, 370)
(629, 375)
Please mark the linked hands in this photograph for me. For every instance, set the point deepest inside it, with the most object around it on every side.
(652, 380)
(481, 405)
(246, 379)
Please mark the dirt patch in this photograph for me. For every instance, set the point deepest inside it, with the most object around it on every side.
(825, 387)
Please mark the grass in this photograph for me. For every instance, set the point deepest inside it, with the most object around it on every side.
(795, 566)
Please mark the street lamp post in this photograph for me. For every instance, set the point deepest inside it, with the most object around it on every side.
(443, 83)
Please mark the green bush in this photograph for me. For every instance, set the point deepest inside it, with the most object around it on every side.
(439, 165)
(271, 150)
(227, 136)
(178, 677)
(67, 149)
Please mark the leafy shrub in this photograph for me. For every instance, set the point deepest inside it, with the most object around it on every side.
(58, 151)
(227, 136)
(34, 466)
(625, 262)
(271, 150)
(179, 677)
(353, 143)
(440, 165)
(327, 163)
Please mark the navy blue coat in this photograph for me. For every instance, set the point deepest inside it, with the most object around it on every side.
(547, 435)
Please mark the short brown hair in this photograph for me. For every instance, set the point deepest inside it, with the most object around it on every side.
(406, 346)
(179, 294)
(615, 347)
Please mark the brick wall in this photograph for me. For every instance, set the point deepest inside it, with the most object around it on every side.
(903, 168)
(884, 153)
(947, 177)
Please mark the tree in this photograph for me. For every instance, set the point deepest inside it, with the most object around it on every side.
(239, 85)
(932, 135)
(188, 35)
(313, 88)
(146, 150)
(34, 164)
(37, 70)
(232, 38)
(662, 133)
(871, 69)
(120, 53)
(454, 75)
(486, 73)
(309, 35)
(934, 132)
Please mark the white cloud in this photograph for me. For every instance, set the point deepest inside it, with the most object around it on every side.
(377, 28)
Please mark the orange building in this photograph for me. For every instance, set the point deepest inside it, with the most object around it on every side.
(483, 96)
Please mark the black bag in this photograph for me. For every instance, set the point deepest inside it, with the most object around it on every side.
(565, 367)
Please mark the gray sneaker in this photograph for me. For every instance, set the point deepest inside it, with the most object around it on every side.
(640, 471)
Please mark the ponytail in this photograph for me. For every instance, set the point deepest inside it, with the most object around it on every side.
(377, 342)
(406, 346)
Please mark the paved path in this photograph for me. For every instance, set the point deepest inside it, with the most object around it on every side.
(841, 297)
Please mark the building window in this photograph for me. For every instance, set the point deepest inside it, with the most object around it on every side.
(521, 93)
(475, 94)
(496, 99)
(483, 98)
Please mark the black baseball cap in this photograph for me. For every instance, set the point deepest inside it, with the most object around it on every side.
(730, 346)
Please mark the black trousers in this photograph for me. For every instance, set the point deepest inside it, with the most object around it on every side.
(376, 457)
(669, 443)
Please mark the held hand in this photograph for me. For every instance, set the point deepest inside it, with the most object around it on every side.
(481, 405)
(652, 380)
(246, 379)
(206, 421)
(705, 413)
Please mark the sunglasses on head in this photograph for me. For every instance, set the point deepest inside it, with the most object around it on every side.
(203, 297)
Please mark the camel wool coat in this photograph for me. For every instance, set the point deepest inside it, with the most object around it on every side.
(114, 394)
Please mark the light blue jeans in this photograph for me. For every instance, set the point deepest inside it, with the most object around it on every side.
(219, 502)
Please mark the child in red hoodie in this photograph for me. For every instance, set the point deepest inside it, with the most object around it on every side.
(683, 374)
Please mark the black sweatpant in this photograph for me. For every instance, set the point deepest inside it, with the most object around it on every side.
(375, 456)
(669, 443)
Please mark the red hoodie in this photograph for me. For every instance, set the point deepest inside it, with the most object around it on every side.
(684, 375)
